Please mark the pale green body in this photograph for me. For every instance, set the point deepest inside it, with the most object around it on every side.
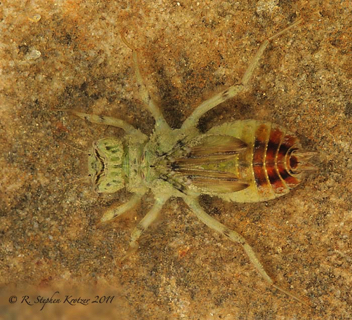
(136, 165)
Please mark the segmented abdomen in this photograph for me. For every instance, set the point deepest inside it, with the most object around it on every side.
(271, 159)
(268, 163)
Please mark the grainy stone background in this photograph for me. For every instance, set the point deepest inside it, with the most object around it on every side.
(68, 54)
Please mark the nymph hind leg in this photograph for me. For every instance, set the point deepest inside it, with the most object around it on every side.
(234, 90)
(237, 238)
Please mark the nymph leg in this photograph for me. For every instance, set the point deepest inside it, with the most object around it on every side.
(237, 238)
(118, 209)
(148, 219)
(107, 121)
(160, 122)
(234, 90)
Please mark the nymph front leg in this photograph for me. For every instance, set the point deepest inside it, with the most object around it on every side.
(107, 121)
(149, 218)
(160, 122)
(234, 90)
(237, 238)
(116, 210)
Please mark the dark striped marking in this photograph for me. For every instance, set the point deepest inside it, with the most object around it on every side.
(290, 181)
(272, 159)
(288, 143)
(225, 94)
(226, 232)
(273, 145)
(275, 179)
(259, 150)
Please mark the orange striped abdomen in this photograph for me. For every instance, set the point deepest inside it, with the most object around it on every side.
(272, 152)
(270, 165)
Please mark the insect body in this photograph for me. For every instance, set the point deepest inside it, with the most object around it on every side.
(242, 161)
